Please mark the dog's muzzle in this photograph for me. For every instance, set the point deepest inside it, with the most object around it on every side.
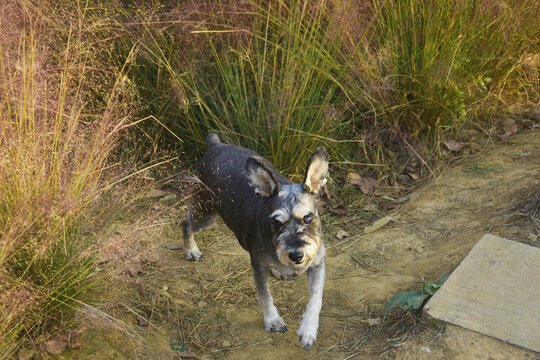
(296, 256)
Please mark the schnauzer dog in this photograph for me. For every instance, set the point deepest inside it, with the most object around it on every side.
(274, 219)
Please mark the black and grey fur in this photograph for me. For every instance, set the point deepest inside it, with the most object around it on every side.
(274, 219)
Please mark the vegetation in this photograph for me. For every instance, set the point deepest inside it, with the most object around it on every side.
(358, 77)
(415, 300)
(371, 80)
(52, 164)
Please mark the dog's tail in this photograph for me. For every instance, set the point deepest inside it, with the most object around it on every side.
(212, 139)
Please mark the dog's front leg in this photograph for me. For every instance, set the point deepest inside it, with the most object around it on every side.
(309, 324)
(272, 321)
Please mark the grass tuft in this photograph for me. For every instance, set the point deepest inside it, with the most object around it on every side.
(51, 168)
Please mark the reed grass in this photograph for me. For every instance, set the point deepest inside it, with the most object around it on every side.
(432, 64)
(52, 163)
(366, 79)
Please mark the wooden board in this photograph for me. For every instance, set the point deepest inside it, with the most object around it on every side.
(495, 291)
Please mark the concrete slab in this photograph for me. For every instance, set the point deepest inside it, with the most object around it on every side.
(495, 291)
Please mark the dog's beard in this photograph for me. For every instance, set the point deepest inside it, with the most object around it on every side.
(309, 250)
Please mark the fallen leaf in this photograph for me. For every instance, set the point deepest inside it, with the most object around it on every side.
(341, 234)
(142, 321)
(412, 166)
(369, 207)
(353, 178)
(377, 224)
(413, 176)
(389, 206)
(396, 188)
(154, 193)
(510, 128)
(26, 355)
(174, 247)
(327, 193)
(405, 179)
(56, 346)
(340, 210)
(370, 185)
(453, 145)
(187, 355)
(474, 147)
(393, 204)
(366, 184)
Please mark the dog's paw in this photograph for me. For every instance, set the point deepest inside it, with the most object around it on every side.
(275, 325)
(307, 333)
(194, 255)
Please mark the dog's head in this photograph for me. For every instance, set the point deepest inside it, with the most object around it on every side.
(292, 209)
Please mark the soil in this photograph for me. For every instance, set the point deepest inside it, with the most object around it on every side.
(155, 304)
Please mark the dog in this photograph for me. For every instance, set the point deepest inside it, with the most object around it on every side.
(274, 219)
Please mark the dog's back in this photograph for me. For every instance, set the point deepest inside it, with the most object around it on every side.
(229, 193)
(223, 171)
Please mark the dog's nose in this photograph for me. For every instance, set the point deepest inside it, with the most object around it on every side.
(296, 256)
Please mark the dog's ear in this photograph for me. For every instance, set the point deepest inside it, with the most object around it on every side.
(260, 177)
(316, 172)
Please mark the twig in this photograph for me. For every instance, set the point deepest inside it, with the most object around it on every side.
(363, 263)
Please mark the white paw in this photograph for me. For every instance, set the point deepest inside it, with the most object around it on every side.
(194, 255)
(275, 325)
(307, 333)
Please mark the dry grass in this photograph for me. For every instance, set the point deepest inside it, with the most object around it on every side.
(51, 168)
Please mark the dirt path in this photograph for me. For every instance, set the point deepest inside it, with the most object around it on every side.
(160, 301)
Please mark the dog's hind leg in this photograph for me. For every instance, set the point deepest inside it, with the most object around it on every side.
(200, 215)
(272, 321)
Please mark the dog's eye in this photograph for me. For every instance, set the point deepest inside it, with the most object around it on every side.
(308, 219)
(276, 222)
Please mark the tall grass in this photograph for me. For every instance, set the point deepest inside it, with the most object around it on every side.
(438, 61)
(273, 90)
(283, 77)
(267, 83)
(51, 166)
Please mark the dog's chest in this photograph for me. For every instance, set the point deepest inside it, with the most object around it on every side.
(287, 271)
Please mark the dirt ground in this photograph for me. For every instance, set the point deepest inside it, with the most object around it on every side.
(157, 304)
